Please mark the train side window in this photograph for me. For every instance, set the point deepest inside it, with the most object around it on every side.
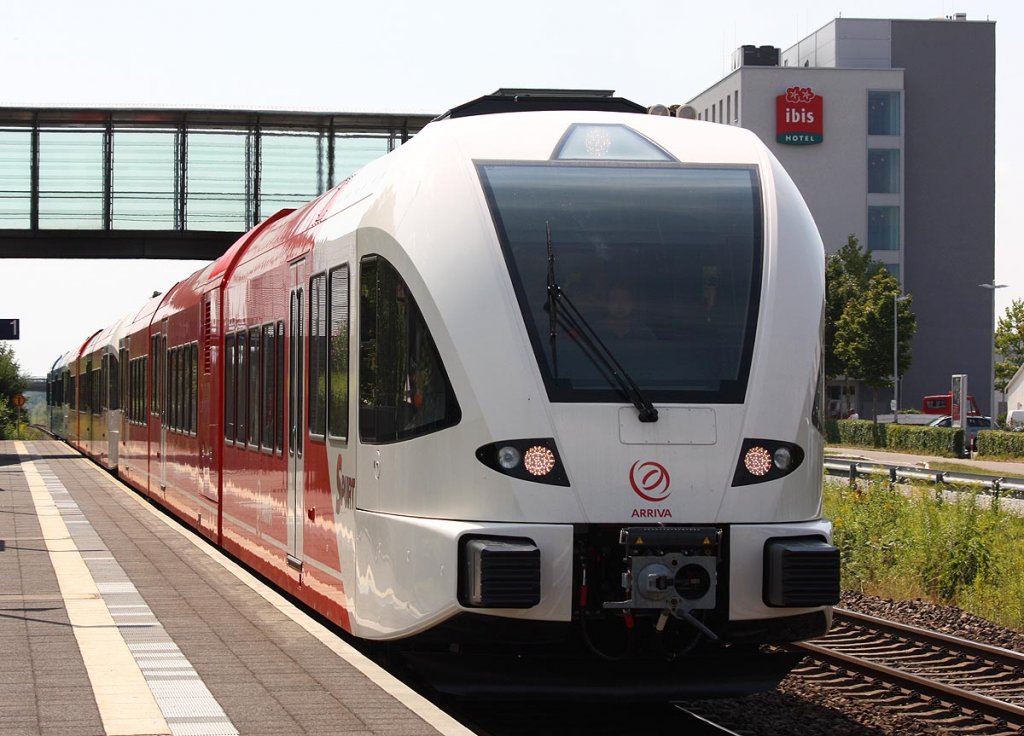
(134, 389)
(254, 386)
(229, 387)
(268, 353)
(83, 388)
(132, 381)
(404, 391)
(183, 388)
(143, 386)
(241, 385)
(174, 385)
(194, 389)
(154, 350)
(179, 388)
(279, 386)
(171, 407)
(114, 382)
(137, 391)
(317, 356)
(98, 405)
(337, 354)
(101, 386)
(123, 377)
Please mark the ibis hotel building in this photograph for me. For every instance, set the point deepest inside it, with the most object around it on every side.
(888, 129)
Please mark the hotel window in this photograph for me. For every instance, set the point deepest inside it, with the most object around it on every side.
(883, 171)
(883, 113)
(883, 228)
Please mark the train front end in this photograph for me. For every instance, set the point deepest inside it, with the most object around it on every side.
(631, 323)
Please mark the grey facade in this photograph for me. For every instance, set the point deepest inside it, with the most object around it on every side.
(932, 222)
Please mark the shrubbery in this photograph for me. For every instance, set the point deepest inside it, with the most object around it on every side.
(999, 443)
(921, 544)
(940, 441)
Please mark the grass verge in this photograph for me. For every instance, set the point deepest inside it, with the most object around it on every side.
(924, 545)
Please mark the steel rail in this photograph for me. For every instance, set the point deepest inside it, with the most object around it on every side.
(706, 725)
(999, 654)
(953, 694)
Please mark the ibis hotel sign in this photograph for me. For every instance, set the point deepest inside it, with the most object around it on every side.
(798, 117)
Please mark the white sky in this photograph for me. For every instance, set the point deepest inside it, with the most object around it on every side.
(402, 56)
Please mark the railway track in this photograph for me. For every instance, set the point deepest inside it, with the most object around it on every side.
(954, 675)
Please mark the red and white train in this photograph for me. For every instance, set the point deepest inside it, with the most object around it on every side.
(537, 387)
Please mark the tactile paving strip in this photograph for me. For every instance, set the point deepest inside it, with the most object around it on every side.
(184, 700)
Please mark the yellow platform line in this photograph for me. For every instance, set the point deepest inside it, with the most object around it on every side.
(125, 702)
(431, 714)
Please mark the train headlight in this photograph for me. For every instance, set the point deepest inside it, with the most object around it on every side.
(534, 460)
(783, 458)
(764, 460)
(539, 460)
(509, 457)
(757, 461)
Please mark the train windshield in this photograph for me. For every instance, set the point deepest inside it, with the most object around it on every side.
(662, 261)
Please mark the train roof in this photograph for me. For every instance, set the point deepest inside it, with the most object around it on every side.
(109, 336)
(532, 100)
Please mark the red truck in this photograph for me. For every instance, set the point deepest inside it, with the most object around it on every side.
(943, 404)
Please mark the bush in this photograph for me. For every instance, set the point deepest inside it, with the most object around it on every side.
(923, 545)
(6, 420)
(1003, 444)
(860, 433)
(832, 431)
(941, 441)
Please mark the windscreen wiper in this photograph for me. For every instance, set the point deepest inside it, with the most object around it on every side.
(577, 327)
(552, 302)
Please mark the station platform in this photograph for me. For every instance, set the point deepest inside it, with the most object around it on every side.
(117, 621)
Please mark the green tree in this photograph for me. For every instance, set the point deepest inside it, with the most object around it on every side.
(864, 333)
(1010, 343)
(847, 273)
(12, 381)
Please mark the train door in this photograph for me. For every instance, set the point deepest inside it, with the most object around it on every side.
(206, 431)
(296, 489)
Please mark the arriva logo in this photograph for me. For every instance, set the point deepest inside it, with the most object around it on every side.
(650, 480)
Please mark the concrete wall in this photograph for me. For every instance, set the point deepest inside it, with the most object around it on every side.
(949, 218)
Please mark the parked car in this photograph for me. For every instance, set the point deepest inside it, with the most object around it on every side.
(1015, 420)
(974, 425)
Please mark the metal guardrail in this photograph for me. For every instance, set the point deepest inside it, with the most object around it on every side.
(994, 485)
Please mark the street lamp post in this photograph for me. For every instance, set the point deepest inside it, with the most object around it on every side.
(896, 299)
(992, 368)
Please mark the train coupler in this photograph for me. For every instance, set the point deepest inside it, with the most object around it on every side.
(673, 570)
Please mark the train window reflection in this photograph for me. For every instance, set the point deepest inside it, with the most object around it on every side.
(404, 391)
(663, 260)
(337, 373)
